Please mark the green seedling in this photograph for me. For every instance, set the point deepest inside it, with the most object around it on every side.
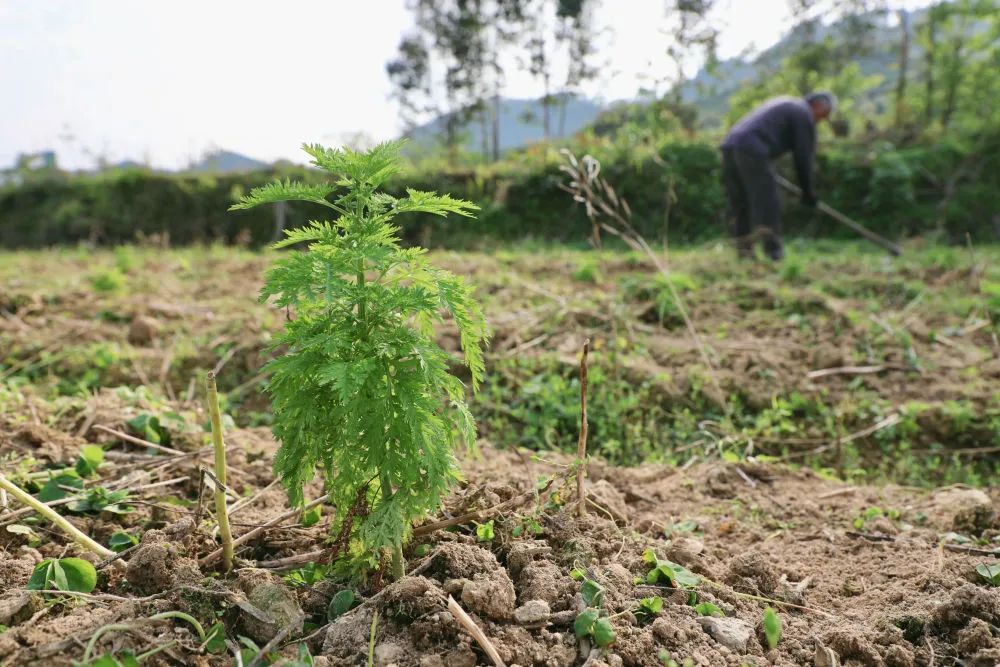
(590, 623)
(990, 573)
(529, 526)
(107, 281)
(215, 639)
(149, 428)
(708, 609)
(872, 513)
(308, 575)
(772, 627)
(687, 526)
(60, 486)
(484, 531)
(120, 541)
(648, 609)
(64, 574)
(340, 604)
(668, 572)
(667, 661)
(362, 393)
(90, 459)
(99, 499)
(124, 659)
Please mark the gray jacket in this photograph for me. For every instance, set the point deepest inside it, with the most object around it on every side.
(780, 125)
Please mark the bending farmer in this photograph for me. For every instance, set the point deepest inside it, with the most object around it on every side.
(776, 127)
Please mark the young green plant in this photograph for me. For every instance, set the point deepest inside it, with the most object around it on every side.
(362, 392)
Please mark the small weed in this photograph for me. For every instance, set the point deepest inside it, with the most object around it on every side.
(99, 499)
(668, 572)
(648, 609)
(484, 531)
(708, 609)
(107, 281)
(990, 573)
(588, 272)
(772, 627)
(873, 513)
(340, 604)
(64, 574)
(120, 541)
(590, 622)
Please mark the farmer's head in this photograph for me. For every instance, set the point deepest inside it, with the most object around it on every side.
(822, 104)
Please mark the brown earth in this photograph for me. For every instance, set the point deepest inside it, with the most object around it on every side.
(863, 575)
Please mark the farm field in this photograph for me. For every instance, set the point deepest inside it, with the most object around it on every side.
(834, 461)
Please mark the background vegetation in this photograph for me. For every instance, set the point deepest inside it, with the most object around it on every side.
(921, 157)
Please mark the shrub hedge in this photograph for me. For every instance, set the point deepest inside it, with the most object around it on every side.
(946, 189)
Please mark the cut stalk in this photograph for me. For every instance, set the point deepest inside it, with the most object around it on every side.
(56, 518)
(219, 446)
(581, 445)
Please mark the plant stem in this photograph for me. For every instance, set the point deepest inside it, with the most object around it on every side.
(124, 627)
(221, 509)
(581, 445)
(371, 640)
(398, 565)
(54, 517)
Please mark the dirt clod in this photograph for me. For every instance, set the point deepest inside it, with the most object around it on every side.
(753, 573)
(974, 638)
(143, 330)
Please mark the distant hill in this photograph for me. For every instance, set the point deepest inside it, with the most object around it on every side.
(709, 91)
(226, 162)
(520, 124)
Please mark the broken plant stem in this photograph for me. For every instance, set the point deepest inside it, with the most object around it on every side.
(125, 627)
(371, 640)
(221, 509)
(476, 632)
(479, 515)
(53, 516)
(246, 537)
(581, 445)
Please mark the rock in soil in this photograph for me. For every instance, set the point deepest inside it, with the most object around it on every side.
(732, 633)
(531, 612)
(272, 597)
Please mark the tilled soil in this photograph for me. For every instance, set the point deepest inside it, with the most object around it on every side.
(884, 592)
(863, 575)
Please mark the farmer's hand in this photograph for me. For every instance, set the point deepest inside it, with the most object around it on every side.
(810, 199)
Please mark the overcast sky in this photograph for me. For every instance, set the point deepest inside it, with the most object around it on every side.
(163, 81)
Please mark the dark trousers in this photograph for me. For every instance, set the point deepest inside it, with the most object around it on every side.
(753, 200)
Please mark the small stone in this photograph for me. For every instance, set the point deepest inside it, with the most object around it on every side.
(531, 612)
(388, 653)
(685, 550)
(268, 594)
(732, 633)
